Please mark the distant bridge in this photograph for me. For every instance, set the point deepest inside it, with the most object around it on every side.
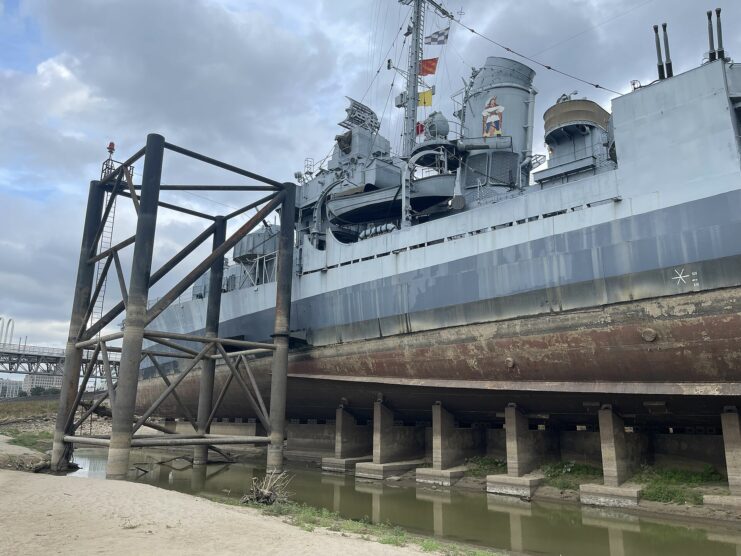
(37, 360)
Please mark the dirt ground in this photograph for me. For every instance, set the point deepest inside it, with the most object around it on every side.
(43, 514)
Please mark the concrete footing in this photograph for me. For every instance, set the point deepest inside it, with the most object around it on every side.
(440, 477)
(396, 448)
(451, 446)
(343, 465)
(353, 444)
(380, 471)
(525, 450)
(524, 486)
(720, 501)
(622, 455)
(603, 495)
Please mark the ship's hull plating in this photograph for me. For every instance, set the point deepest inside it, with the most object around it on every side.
(677, 348)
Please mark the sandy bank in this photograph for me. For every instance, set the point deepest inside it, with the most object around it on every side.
(43, 514)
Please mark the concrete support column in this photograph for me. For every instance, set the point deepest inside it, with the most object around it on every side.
(444, 452)
(61, 451)
(520, 453)
(208, 366)
(383, 422)
(621, 456)
(351, 440)
(279, 369)
(732, 445)
(136, 311)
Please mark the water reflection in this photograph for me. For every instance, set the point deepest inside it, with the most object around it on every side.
(494, 521)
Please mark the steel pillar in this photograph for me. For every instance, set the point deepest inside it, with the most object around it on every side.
(62, 451)
(136, 311)
(208, 367)
(279, 379)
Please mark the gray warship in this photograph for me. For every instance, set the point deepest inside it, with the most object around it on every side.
(467, 269)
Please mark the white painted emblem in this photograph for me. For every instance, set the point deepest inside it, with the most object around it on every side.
(681, 277)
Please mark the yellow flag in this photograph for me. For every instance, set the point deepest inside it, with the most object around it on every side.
(425, 98)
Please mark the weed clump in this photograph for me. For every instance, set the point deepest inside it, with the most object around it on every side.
(568, 475)
(481, 466)
(675, 485)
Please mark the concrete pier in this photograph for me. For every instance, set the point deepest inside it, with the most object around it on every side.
(731, 425)
(396, 448)
(450, 448)
(526, 450)
(353, 444)
(622, 455)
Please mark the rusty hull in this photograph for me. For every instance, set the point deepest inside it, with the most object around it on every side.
(680, 348)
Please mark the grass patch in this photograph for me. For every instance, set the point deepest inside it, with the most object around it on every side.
(310, 518)
(481, 466)
(40, 441)
(16, 410)
(674, 485)
(569, 475)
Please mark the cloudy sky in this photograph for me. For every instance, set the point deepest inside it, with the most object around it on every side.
(260, 84)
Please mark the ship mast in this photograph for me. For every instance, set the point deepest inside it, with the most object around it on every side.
(415, 55)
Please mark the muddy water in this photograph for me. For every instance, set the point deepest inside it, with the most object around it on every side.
(494, 522)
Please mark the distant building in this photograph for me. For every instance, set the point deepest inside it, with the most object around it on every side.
(45, 381)
(10, 388)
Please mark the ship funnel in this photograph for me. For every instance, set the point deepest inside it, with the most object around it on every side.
(669, 71)
(659, 61)
(721, 51)
(711, 44)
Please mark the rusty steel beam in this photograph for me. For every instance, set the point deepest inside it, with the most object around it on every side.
(62, 450)
(152, 334)
(156, 277)
(250, 206)
(250, 398)
(217, 254)
(281, 330)
(128, 372)
(86, 377)
(103, 254)
(172, 345)
(220, 398)
(218, 188)
(175, 395)
(96, 293)
(130, 185)
(163, 396)
(208, 369)
(121, 279)
(104, 219)
(170, 206)
(212, 161)
(207, 440)
(107, 369)
(260, 401)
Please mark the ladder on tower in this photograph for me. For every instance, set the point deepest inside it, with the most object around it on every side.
(106, 238)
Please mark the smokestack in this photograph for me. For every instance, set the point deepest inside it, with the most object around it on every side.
(721, 52)
(660, 62)
(669, 71)
(711, 51)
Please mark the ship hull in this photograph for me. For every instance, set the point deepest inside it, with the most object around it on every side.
(681, 348)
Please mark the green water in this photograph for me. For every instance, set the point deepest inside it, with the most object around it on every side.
(471, 517)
